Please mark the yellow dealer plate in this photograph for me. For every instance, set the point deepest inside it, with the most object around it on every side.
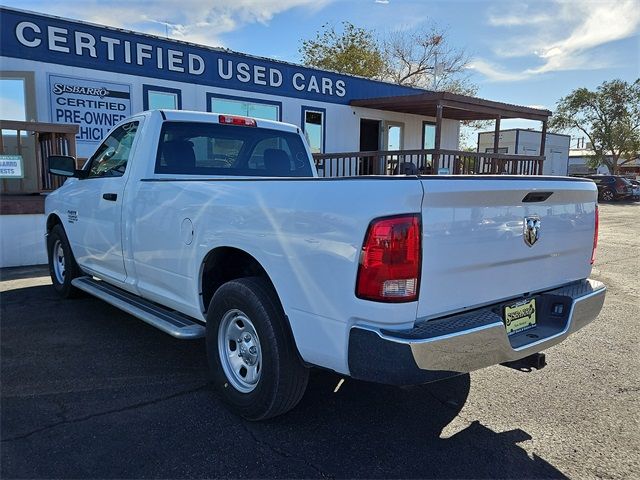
(520, 316)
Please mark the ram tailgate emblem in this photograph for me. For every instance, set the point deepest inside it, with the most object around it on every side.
(531, 231)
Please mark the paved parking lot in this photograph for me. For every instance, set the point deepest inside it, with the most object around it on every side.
(88, 392)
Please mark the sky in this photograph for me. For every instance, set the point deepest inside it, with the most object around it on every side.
(529, 52)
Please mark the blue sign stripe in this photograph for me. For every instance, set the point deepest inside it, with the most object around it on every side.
(65, 42)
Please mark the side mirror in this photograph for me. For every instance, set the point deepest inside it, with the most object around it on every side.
(62, 165)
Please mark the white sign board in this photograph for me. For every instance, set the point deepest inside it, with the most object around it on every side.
(11, 166)
(443, 171)
(94, 105)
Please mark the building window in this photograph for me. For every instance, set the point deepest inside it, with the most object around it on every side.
(161, 98)
(313, 126)
(428, 135)
(17, 96)
(13, 103)
(394, 136)
(245, 107)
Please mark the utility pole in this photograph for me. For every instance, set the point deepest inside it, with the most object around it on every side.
(435, 69)
(436, 40)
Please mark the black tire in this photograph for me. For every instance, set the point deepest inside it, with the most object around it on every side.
(56, 239)
(283, 377)
(608, 195)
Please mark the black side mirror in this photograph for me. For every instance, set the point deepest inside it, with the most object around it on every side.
(62, 165)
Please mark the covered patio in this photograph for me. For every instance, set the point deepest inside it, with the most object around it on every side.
(440, 105)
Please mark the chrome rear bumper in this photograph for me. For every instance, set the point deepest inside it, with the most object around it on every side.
(442, 348)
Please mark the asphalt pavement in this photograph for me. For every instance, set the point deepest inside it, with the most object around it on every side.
(90, 392)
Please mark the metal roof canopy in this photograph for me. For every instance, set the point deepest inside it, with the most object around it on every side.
(454, 106)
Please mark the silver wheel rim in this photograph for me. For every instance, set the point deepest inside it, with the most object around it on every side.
(240, 352)
(58, 262)
(607, 195)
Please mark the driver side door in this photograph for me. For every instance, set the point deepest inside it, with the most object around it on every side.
(96, 203)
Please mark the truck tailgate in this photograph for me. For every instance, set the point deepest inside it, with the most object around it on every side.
(474, 250)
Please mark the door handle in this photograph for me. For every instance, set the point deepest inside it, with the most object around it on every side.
(112, 197)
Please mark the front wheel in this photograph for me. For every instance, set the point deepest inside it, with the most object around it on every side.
(253, 359)
(62, 265)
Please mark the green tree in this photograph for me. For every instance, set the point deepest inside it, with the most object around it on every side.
(608, 116)
(354, 50)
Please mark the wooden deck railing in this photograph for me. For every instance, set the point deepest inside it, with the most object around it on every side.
(35, 141)
(425, 162)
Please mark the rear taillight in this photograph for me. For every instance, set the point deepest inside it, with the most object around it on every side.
(235, 120)
(390, 260)
(595, 236)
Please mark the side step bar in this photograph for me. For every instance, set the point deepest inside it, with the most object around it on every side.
(169, 321)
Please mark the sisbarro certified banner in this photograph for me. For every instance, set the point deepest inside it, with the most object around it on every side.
(94, 105)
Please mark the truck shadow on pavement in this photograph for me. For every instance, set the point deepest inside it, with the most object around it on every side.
(88, 391)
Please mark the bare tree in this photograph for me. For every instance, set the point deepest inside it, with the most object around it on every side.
(425, 58)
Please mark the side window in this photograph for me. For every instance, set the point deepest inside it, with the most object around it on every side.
(110, 160)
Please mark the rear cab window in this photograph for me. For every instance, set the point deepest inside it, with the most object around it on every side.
(197, 148)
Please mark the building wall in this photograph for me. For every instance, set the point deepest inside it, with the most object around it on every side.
(22, 241)
(507, 139)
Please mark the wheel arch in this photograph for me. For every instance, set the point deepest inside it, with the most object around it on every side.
(52, 220)
(223, 264)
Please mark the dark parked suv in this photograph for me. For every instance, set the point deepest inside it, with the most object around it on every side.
(612, 187)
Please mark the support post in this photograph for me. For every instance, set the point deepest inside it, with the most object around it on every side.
(543, 144)
(496, 135)
(435, 163)
(496, 144)
(543, 138)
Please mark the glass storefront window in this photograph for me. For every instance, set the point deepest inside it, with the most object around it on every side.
(243, 108)
(394, 137)
(162, 100)
(313, 130)
(158, 97)
(12, 99)
(428, 136)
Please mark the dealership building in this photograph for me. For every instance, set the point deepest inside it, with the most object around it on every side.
(73, 72)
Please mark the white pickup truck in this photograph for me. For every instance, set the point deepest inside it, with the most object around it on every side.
(217, 226)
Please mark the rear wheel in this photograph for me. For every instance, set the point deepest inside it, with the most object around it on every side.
(608, 195)
(253, 360)
(62, 265)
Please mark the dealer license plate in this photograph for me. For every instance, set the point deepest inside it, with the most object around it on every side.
(520, 316)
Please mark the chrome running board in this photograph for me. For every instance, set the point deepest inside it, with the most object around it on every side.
(169, 321)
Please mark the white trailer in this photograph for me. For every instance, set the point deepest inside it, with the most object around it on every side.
(527, 142)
